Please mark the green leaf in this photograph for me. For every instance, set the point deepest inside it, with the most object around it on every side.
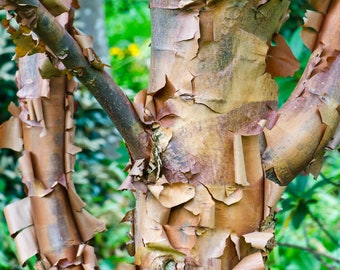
(299, 214)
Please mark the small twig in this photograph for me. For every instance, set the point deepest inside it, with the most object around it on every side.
(331, 237)
(318, 257)
(310, 250)
(329, 181)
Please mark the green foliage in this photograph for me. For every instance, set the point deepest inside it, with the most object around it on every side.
(308, 228)
(7, 69)
(129, 33)
(297, 12)
(98, 175)
(10, 189)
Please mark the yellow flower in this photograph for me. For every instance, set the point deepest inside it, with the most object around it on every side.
(133, 49)
(116, 51)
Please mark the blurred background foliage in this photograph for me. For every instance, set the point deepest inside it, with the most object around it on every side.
(308, 226)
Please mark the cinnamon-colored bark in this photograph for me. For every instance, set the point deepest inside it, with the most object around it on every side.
(221, 154)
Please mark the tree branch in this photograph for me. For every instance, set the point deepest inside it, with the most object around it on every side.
(310, 250)
(317, 221)
(101, 85)
(309, 118)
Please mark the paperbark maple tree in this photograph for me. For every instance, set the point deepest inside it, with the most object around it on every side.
(210, 153)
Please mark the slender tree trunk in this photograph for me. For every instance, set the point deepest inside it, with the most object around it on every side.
(51, 223)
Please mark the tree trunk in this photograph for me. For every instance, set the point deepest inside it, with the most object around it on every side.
(209, 99)
(225, 154)
(51, 222)
(210, 155)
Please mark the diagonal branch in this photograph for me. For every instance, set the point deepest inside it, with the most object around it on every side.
(101, 85)
(310, 117)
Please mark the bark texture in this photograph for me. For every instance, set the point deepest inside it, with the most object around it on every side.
(208, 102)
(51, 222)
(309, 120)
(221, 155)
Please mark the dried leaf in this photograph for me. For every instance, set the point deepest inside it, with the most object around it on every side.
(280, 59)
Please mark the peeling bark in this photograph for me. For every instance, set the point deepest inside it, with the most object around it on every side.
(309, 119)
(208, 68)
(211, 155)
(55, 227)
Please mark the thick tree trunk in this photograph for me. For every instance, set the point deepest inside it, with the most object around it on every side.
(209, 99)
